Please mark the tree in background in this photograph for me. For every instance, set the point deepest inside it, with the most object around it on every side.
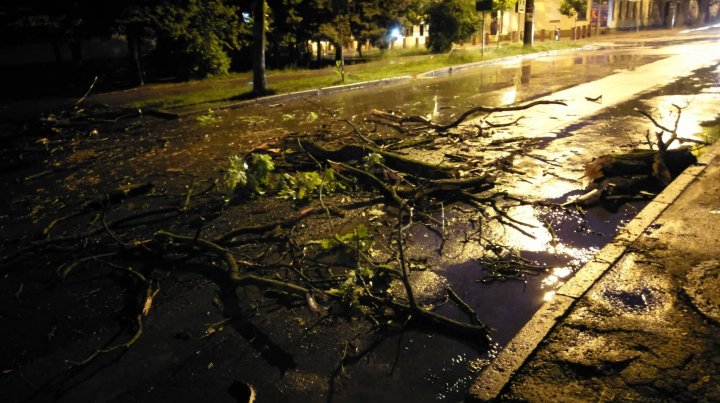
(335, 25)
(69, 24)
(314, 13)
(287, 23)
(415, 12)
(450, 21)
(703, 15)
(135, 19)
(59, 23)
(572, 9)
(371, 20)
(199, 33)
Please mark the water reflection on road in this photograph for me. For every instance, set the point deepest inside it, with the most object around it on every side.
(502, 84)
(552, 173)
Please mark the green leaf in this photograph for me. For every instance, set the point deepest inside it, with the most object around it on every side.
(250, 174)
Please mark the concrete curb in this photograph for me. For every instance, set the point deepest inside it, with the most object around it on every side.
(495, 377)
(308, 93)
(468, 66)
(295, 95)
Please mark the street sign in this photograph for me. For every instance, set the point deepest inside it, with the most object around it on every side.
(483, 5)
(520, 6)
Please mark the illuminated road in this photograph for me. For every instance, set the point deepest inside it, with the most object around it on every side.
(412, 365)
(626, 77)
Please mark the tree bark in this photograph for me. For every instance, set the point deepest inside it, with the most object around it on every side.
(76, 52)
(703, 12)
(133, 43)
(529, 19)
(319, 53)
(259, 80)
(395, 161)
(57, 51)
(338, 52)
(642, 162)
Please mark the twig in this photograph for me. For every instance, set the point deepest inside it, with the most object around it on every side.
(112, 235)
(126, 345)
(473, 111)
(87, 92)
(504, 124)
(464, 306)
(322, 185)
(212, 246)
(290, 221)
(554, 239)
(358, 133)
(66, 271)
(150, 293)
(251, 278)
(403, 264)
(188, 196)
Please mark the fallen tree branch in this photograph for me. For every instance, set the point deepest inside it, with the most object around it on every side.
(126, 345)
(393, 160)
(150, 293)
(257, 229)
(469, 113)
(114, 197)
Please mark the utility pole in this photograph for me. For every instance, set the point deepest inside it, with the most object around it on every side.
(529, 26)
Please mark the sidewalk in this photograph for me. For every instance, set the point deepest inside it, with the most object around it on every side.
(640, 321)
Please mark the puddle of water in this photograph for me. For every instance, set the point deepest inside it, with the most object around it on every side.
(226, 132)
(629, 290)
(635, 301)
(506, 306)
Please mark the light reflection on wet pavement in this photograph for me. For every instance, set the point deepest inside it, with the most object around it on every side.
(507, 305)
(553, 172)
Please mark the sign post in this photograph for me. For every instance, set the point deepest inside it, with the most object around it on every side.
(483, 5)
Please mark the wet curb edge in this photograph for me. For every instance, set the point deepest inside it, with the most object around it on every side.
(495, 377)
(467, 66)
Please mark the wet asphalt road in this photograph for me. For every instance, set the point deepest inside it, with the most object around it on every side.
(419, 366)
